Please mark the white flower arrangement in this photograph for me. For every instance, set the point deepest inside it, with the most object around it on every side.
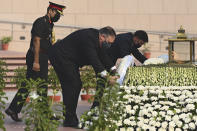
(163, 99)
(160, 113)
(154, 61)
(161, 77)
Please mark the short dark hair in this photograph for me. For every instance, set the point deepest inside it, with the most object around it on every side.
(109, 31)
(142, 35)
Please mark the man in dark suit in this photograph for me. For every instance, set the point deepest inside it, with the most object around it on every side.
(82, 47)
(127, 44)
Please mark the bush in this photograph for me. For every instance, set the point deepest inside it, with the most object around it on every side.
(3, 70)
(88, 78)
(103, 117)
(20, 76)
(53, 81)
(38, 113)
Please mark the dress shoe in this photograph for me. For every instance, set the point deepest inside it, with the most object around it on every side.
(71, 122)
(13, 115)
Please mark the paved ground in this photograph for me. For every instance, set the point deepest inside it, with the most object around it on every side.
(14, 126)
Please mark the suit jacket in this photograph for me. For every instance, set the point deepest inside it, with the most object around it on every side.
(124, 45)
(83, 48)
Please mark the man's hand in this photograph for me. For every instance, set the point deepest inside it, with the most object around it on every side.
(36, 67)
(113, 79)
(118, 62)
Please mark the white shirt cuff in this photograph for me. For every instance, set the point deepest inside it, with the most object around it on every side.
(113, 68)
(104, 73)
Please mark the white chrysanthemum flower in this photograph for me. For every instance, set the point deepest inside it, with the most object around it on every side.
(192, 125)
(182, 97)
(150, 109)
(146, 121)
(127, 122)
(187, 120)
(152, 128)
(168, 118)
(128, 108)
(133, 123)
(157, 106)
(162, 113)
(140, 123)
(122, 129)
(130, 129)
(165, 108)
(126, 96)
(171, 128)
(147, 105)
(158, 124)
(128, 91)
(164, 124)
(135, 107)
(178, 93)
(189, 100)
(186, 126)
(195, 118)
(162, 129)
(172, 124)
(132, 112)
(188, 93)
(179, 123)
(145, 127)
(169, 112)
(182, 116)
(172, 104)
(190, 107)
(95, 117)
(175, 118)
(178, 129)
(154, 113)
(178, 111)
(34, 95)
(154, 103)
(119, 123)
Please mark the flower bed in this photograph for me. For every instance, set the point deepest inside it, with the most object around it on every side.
(159, 108)
(161, 76)
(155, 98)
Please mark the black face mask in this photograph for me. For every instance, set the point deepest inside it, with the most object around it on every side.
(106, 45)
(137, 45)
(56, 17)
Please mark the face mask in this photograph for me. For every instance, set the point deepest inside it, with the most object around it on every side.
(56, 17)
(137, 45)
(106, 45)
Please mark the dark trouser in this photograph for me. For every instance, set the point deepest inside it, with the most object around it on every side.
(68, 74)
(99, 92)
(18, 101)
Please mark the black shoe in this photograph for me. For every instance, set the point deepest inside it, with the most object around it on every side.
(13, 115)
(71, 122)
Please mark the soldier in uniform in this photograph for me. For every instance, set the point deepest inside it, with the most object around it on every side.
(37, 56)
(127, 44)
(82, 47)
